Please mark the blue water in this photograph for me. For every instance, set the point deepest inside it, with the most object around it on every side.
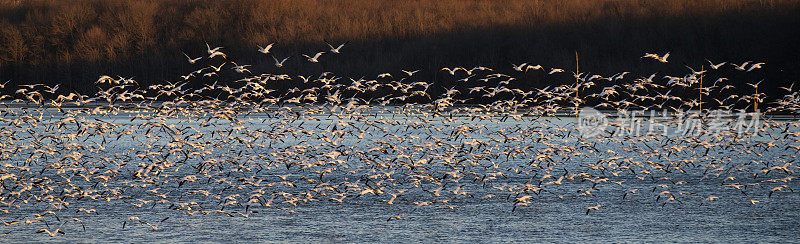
(557, 213)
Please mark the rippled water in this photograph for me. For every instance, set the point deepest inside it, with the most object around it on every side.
(637, 218)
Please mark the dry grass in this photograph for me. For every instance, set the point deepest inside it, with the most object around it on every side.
(138, 34)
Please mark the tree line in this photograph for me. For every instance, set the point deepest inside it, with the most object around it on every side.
(74, 42)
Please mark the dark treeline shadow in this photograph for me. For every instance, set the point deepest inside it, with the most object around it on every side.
(70, 44)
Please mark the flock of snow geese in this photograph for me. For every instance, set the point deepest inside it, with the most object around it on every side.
(277, 142)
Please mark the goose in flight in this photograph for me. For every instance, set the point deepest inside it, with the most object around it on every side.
(191, 60)
(53, 233)
(451, 71)
(534, 67)
(52, 89)
(520, 67)
(210, 50)
(741, 67)
(239, 68)
(716, 66)
(314, 59)
(336, 49)
(398, 217)
(215, 52)
(106, 79)
(409, 73)
(266, 49)
(217, 68)
(755, 85)
(755, 66)
(595, 208)
(279, 63)
(788, 89)
(553, 71)
(662, 59)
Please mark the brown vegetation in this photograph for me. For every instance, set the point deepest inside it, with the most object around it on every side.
(75, 41)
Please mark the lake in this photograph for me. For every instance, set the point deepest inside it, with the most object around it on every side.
(328, 174)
